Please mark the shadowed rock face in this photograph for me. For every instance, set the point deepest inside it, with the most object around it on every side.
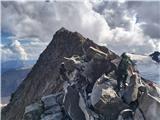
(155, 56)
(44, 76)
(72, 104)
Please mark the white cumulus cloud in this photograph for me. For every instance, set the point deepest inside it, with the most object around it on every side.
(122, 26)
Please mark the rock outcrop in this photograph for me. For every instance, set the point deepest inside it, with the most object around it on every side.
(155, 56)
(131, 92)
(149, 106)
(71, 104)
(33, 112)
(85, 89)
(44, 76)
(48, 108)
(105, 99)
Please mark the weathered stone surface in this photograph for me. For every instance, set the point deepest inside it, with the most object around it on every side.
(97, 66)
(71, 104)
(150, 106)
(56, 116)
(81, 100)
(126, 114)
(49, 100)
(152, 88)
(131, 92)
(52, 110)
(138, 115)
(44, 76)
(91, 52)
(59, 98)
(33, 112)
(105, 100)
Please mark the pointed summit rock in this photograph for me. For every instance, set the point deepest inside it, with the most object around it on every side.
(44, 76)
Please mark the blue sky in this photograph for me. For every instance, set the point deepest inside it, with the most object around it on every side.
(5, 37)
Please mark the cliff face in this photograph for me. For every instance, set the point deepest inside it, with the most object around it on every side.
(44, 76)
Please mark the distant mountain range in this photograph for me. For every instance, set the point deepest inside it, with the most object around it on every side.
(16, 64)
(11, 79)
(12, 74)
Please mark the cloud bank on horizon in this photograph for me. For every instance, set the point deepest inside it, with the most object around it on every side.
(27, 27)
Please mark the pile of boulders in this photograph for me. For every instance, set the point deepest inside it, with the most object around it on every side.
(90, 93)
(48, 108)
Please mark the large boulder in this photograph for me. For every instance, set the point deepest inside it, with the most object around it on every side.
(98, 65)
(71, 104)
(51, 108)
(91, 52)
(49, 100)
(33, 111)
(105, 100)
(48, 108)
(152, 88)
(139, 115)
(149, 106)
(131, 92)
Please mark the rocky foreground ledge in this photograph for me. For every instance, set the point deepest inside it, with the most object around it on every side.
(84, 97)
(88, 93)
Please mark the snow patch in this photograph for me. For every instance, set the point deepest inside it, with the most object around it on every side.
(148, 68)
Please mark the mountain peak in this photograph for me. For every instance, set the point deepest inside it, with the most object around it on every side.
(44, 76)
(65, 34)
(62, 29)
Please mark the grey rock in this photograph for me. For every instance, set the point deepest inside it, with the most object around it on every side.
(131, 92)
(91, 52)
(96, 67)
(126, 114)
(49, 100)
(71, 104)
(138, 115)
(56, 116)
(33, 112)
(150, 106)
(53, 109)
(59, 98)
(105, 100)
(152, 88)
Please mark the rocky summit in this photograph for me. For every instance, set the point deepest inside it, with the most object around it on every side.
(85, 89)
